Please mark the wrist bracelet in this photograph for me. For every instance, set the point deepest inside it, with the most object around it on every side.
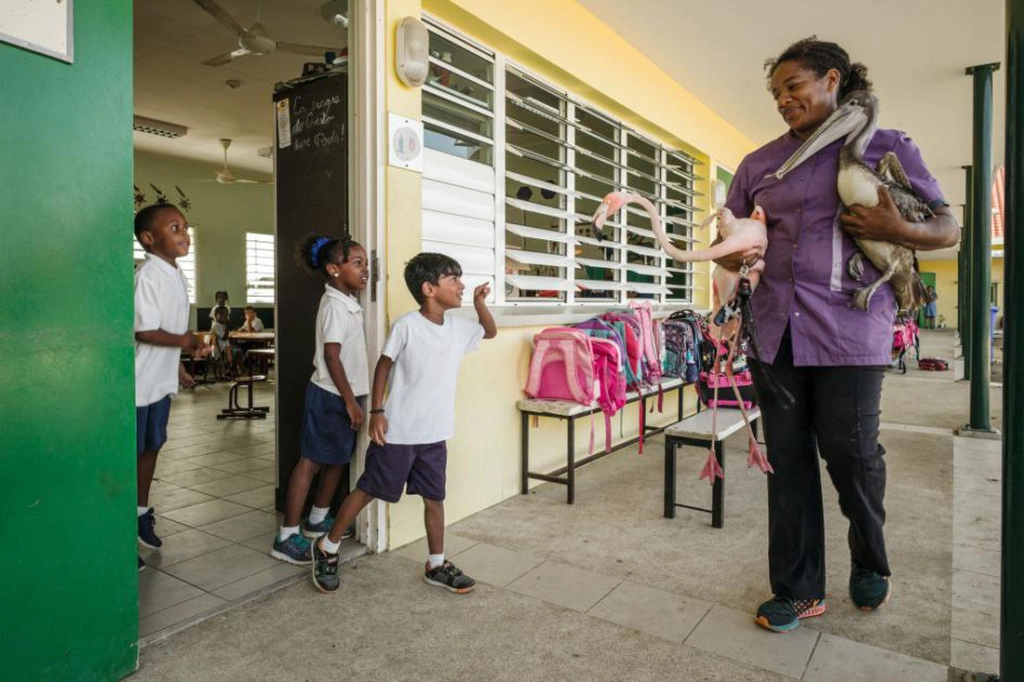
(379, 410)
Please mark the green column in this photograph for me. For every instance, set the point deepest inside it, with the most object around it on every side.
(981, 247)
(1011, 625)
(965, 274)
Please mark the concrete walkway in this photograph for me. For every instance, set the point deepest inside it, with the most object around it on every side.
(608, 589)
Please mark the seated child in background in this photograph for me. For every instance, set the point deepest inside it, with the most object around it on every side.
(408, 451)
(221, 301)
(222, 344)
(252, 323)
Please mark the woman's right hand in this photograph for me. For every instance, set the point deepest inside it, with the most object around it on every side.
(378, 427)
(735, 261)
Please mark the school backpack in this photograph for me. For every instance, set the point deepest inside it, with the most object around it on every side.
(595, 327)
(611, 384)
(629, 327)
(683, 338)
(933, 364)
(726, 395)
(562, 366)
(650, 340)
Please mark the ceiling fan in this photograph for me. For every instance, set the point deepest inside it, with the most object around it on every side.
(254, 40)
(225, 177)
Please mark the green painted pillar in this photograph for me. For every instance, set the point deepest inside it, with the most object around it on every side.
(1011, 622)
(965, 274)
(68, 574)
(981, 247)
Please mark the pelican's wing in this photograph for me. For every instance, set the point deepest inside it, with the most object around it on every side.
(891, 170)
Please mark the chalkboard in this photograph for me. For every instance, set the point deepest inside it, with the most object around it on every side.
(311, 195)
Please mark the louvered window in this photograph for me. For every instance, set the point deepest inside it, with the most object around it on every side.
(515, 168)
(259, 268)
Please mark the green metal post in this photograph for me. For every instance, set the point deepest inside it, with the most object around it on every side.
(1011, 620)
(981, 247)
(965, 274)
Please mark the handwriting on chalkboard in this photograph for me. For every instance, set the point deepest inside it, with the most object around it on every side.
(313, 123)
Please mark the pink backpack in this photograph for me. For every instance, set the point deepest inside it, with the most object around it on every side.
(650, 340)
(569, 365)
(562, 366)
(611, 383)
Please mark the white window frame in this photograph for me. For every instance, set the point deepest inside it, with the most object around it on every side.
(259, 255)
(665, 175)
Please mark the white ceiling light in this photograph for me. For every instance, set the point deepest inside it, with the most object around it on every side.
(159, 128)
(335, 12)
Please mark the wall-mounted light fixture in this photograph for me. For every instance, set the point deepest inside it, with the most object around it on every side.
(335, 12)
(412, 44)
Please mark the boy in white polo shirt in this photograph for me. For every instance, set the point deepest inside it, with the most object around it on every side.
(422, 357)
(161, 333)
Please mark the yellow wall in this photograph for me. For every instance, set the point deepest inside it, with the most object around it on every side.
(570, 48)
(947, 283)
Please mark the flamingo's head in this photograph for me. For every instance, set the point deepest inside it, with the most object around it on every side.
(759, 215)
(609, 206)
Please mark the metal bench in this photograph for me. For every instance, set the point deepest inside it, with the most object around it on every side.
(569, 412)
(696, 431)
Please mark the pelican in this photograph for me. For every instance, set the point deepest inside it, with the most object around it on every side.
(856, 118)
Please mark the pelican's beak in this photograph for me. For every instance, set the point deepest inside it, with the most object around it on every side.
(849, 118)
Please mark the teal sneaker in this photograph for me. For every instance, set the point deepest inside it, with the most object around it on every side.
(294, 549)
(869, 590)
(315, 530)
(325, 569)
(780, 614)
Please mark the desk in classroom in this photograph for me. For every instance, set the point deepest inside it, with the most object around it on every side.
(262, 355)
(264, 338)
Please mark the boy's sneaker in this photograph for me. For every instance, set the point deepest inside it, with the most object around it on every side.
(869, 590)
(325, 569)
(449, 577)
(147, 530)
(780, 614)
(294, 549)
(142, 564)
(315, 530)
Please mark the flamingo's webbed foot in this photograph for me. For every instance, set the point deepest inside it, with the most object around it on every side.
(758, 459)
(712, 469)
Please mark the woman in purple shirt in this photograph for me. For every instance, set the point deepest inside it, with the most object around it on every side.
(830, 357)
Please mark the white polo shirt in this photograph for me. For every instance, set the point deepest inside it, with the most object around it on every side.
(161, 302)
(340, 320)
(420, 406)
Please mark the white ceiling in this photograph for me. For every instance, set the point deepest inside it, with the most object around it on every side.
(916, 51)
(174, 37)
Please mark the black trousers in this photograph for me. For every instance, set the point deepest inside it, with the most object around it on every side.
(835, 413)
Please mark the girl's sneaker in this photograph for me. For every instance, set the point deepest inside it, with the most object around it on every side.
(780, 614)
(294, 549)
(449, 577)
(147, 530)
(315, 530)
(869, 590)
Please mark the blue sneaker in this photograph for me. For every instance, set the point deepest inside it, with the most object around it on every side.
(147, 530)
(780, 614)
(869, 590)
(294, 549)
(315, 530)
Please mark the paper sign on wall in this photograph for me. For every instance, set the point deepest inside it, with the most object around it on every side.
(405, 142)
(284, 125)
(43, 26)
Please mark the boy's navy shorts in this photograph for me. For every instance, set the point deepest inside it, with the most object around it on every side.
(420, 469)
(151, 426)
(327, 433)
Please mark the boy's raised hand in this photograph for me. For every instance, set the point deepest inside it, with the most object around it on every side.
(481, 292)
(378, 428)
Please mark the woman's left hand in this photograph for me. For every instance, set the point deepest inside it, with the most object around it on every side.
(882, 222)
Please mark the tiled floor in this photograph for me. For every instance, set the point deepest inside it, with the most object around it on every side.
(214, 498)
(804, 654)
